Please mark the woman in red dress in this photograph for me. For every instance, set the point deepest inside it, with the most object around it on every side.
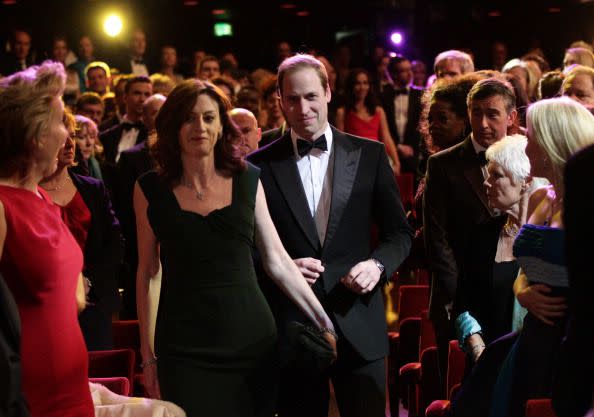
(362, 116)
(39, 259)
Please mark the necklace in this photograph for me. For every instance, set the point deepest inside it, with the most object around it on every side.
(59, 186)
(510, 228)
(199, 193)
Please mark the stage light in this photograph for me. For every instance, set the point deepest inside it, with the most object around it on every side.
(396, 38)
(112, 25)
(392, 54)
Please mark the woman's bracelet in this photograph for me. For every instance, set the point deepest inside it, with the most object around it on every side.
(150, 362)
(329, 330)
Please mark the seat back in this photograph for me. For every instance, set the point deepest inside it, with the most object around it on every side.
(406, 184)
(427, 338)
(126, 335)
(117, 384)
(541, 407)
(112, 363)
(412, 301)
(456, 365)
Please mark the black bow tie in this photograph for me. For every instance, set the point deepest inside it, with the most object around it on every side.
(132, 125)
(138, 61)
(401, 91)
(482, 158)
(305, 146)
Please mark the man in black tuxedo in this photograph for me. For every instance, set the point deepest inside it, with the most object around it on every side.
(132, 164)
(574, 383)
(135, 61)
(402, 103)
(19, 57)
(325, 189)
(455, 200)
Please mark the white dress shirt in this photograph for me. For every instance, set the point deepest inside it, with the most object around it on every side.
(316, 172)
(401, 113)
(127, 140)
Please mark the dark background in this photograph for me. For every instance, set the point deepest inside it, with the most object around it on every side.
(430, 26)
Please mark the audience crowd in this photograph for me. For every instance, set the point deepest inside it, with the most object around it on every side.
(484, 151)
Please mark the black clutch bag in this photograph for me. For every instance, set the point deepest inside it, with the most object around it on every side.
(308, 349)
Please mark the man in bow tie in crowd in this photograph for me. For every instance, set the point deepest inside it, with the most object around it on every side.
(129, 132)
(135, 61)
(402, 104)
(325, 189)
(455, 200)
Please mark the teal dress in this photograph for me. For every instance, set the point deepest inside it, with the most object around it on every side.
(215, 334)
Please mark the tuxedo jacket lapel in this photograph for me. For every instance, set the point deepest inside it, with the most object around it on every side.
(474, 174)
(286, 174)
(346, 162)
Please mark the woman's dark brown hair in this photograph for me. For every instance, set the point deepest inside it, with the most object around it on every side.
(171, 117)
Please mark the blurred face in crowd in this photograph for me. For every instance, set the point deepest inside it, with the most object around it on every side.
(503, 192)
(22, 45)
(283, 51)
(209, 69)
(135, 97)
(402, 73)
(86, 138)
(490, 120)
(382, 67)
(330, 71)
(419, 73)
(273, 107)
(52, 139)
(67, 152)
(98, 81)
(93, 112)
(445, 126)
(305, 102)
(581, 89)
(60, 50)
(448, 68)
(361, 86)
(168, 57)
(250, 133)
(150, 111)
(199, 134)
(138, 43)
(86, 50)
(249, 99)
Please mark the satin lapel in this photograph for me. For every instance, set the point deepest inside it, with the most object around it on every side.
(284, 169)
(474, 174)
(346, 163)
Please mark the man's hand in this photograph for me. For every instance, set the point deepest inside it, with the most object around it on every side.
(362, 278)
(310, 268)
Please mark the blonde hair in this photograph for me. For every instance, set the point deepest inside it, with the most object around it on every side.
(561, 127)
(83, 121)
(25, 99)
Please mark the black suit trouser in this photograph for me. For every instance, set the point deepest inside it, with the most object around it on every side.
(359, 386)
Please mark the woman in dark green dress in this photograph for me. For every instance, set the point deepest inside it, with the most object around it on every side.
(198, 214)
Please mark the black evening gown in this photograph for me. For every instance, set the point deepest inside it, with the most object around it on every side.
(215, 336)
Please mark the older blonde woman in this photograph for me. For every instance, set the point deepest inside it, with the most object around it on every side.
(39, 258)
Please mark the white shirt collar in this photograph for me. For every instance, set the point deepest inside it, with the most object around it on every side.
(327, 133)
(477, 148)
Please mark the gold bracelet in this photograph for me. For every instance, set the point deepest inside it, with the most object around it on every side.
(149, 362)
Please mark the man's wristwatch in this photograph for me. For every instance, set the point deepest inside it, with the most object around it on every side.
(379, 265)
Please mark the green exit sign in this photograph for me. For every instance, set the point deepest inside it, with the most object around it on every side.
(223, 29)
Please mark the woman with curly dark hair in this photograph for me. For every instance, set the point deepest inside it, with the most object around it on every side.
(363, 116)
(198, 214)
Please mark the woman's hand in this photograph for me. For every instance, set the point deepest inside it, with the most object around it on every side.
(150, 381)
(476, 346)
(536, 300)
